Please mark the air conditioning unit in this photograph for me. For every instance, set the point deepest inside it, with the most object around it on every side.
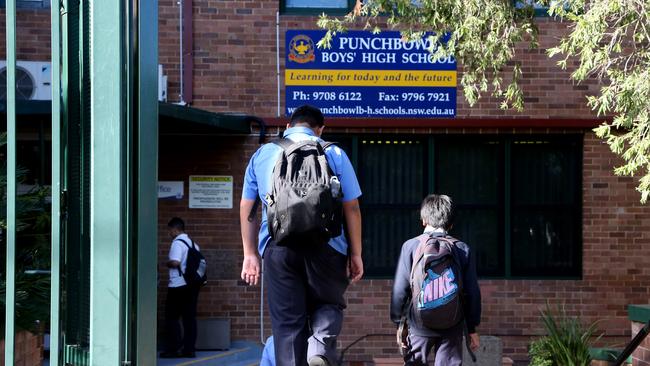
(33, 80)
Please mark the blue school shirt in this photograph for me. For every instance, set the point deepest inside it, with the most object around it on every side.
(268, 354)
(257, 181)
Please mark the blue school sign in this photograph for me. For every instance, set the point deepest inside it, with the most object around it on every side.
(368, 75)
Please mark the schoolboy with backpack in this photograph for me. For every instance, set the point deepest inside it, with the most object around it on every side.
(436, 299)
(308, 188)
(187, 273)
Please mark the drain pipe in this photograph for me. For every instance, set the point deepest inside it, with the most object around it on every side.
(180, 50)
(186, 64)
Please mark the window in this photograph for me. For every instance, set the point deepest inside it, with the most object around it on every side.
(28, 4)
(518, 199)
(315, 7)
(393, 181)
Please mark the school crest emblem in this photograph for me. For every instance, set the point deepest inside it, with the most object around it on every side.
(301, 49)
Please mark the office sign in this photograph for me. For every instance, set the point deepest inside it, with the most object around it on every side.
(171, 190)
(368, 75)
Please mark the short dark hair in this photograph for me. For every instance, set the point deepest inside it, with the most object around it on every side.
(309, 115)
(176, 223)
(437, 210)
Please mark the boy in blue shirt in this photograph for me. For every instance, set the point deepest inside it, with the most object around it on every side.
(306, 280)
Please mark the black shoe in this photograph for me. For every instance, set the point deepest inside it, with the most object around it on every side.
(188, 354)
(170, 355)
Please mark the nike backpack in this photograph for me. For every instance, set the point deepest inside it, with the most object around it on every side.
(436, 283)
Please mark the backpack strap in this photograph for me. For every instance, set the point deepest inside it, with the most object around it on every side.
(417, 253)
(256, 204)
(290, 146)
(452, 242)
(326, 144)
(417, 256)
(188, 247)
(284, 143)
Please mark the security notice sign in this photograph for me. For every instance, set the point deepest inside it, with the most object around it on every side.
(368, 75)
(210, 191)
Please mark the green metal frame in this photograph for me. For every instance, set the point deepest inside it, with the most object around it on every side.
(55, 279)
(111, 56)
(91, 42)
(10, 301)
(147, 186)
(107, 193)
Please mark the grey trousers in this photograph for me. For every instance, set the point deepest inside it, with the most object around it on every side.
(306, 284)
(447, 349)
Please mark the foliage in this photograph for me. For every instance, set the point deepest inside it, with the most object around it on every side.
(566, 343)
(33, 251)
(539, 352)
(482, 37)
(609, 40)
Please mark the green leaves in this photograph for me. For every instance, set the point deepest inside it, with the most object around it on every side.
(608, 39)
(483, 37)
(566, 343)
(33, 251)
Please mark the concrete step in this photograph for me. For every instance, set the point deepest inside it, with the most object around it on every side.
(241, 353)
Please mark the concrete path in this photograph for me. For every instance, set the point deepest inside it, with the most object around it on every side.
(241, 353)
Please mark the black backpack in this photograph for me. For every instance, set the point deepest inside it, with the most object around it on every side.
(305, 202)
(195, 266)
(436, 283)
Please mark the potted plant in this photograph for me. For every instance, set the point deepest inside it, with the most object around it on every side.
(566, 342)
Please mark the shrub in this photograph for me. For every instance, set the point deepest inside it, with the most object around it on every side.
(566, 343)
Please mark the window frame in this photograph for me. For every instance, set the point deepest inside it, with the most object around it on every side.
(505, 197)
(284, 10)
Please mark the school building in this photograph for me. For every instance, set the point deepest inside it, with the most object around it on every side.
(535, 191)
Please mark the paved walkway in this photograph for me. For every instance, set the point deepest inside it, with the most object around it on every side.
(241, 353)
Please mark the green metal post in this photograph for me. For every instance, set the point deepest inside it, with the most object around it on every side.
(106, 182)
(55, 279)
(147, 173)
(10, 312)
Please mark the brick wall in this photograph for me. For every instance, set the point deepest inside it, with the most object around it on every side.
(615, 259)
(235, 60)
(235, 63)
(32, 34)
